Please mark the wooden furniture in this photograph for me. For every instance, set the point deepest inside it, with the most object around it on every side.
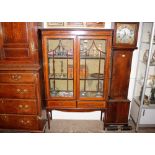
(20, 85)
(99, 78)
(124, 43)
(143, 103)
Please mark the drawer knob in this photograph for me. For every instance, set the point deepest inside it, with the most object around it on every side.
(123, 55)
(16, 77)
(20, 106)
(26, 106)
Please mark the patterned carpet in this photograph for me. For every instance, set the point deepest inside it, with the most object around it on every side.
(82, 126)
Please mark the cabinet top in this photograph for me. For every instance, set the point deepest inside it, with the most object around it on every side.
(75, 31)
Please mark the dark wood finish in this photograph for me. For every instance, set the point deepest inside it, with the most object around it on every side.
(118, 105)
(76, 103)
(117, 112)
(19, 122)
(20, 85)
(61, 104)
(17, 77)
(19, 43)
(8, 106)
(121, 66)
(91, 104)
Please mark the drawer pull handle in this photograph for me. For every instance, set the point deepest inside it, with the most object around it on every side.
(4, 118)
(16, 77)
(22, 91)
(23, 106)
(25, 122)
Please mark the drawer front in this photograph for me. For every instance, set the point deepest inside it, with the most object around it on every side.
(61, 104)
(18, 106)
(17, 91)
(19, 122)
(17, 77)
(91, 104)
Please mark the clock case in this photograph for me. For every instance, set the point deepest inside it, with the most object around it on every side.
(125, 45)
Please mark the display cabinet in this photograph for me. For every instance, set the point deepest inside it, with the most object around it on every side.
(76, 68)
(143, 103)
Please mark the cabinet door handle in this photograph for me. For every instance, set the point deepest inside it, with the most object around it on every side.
(143, 112)
(16, 77)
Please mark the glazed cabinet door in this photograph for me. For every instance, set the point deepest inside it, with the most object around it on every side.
(59, 67)
(93, 67)
(18, 42)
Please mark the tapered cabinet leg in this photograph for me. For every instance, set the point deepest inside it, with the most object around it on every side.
(48, 118)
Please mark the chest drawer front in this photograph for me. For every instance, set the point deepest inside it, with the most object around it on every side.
(17, 91)
(91, 104)
(18, 107)
(61, 104)
(17, 77)
(19, 122)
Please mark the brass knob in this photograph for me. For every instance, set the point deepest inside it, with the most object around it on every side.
(18, 90)
(25, 90)
(26, 106)
(123, 55)
(16, 77)
(20, 106)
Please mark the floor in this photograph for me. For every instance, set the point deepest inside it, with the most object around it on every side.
(88, 126)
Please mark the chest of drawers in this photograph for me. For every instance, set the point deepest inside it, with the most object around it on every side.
(20, 100)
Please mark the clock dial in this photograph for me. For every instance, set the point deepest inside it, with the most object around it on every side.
(125, 33)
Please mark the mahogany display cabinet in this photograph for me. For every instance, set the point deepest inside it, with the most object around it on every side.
(84, 71)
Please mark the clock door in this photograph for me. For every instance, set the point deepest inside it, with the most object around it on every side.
(93, 66)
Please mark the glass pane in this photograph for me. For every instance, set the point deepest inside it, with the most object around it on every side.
(92, 62)
(142, 64)
(60, 58)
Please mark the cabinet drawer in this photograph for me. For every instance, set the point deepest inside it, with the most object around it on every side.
(18, 122)
(17, 77)
(17, 91)
(91, 104)
(18, 106)
(61, 104)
